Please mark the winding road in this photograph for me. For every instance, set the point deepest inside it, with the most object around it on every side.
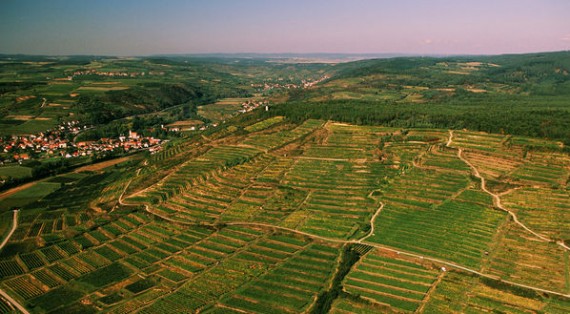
(400, 252)
(375, 245)
(372, 220)
(14, 226)
(6, 239)
(497, 199)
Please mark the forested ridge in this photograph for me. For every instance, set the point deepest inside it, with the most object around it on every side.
(513, 94)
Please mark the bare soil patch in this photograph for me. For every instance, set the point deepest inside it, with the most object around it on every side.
(15, 190)
(103, 88)
(24, 98)
(103, 165)
(20, 117)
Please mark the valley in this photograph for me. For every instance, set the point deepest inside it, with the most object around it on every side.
(311, 200)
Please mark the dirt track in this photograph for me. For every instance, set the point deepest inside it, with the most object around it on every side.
(497, 198)
(17, 189)
(102, 165)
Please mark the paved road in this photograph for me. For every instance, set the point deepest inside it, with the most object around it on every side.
(2, 292)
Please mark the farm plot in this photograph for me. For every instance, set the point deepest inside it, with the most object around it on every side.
(518, 256)
(249, 203)
(443, 158)
(207, 199)
(344, 305)
(230, 273)
(47, 224)
(549, 157)
(196, 170)
(403, 154)
(343, 142)
(458, 292)
(399, 284)
(6, 307)
(29, 195)
(10, 268)
(493, 165)
(15, 172)
(478, 141)
(421, 215)
(63, 264)
(213, 262)
(222, 109)
(262, 125)
(338, 202)
(456, 231)
(543, 210)
(541, 174)
(421, 189)
(78, 195)
(265, 204)
(432, 136)
(268, 141)
(211, 250)
(351, 142)
(275, 171)
(289, 288)
(335, 152)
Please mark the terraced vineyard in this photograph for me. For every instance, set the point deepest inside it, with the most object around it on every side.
(319, 216)
(400, 284)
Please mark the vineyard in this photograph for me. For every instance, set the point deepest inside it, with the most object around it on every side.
(260, 220)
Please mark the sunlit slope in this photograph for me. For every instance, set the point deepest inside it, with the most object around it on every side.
(291, 217)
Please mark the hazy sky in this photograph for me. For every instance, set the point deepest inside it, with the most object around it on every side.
(142, 27)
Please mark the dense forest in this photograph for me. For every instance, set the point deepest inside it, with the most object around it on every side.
(523, 95)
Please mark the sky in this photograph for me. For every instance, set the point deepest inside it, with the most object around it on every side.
(145, 27)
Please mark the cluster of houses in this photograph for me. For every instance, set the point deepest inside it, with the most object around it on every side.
(304, 84)
(113, 74)
(311, 83)
(249, 105)
(58, 142)
(129, 142)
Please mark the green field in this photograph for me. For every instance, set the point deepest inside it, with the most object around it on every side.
(29, 195)
(15, 172)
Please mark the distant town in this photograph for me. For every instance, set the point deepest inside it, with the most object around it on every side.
(59, 142)
(266, 86)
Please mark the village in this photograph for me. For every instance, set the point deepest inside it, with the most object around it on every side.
(266, 86)
(250, 105)
(59, 142)
(113, 74)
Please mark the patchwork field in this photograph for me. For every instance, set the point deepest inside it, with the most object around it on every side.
(299, 218)
(15, 172)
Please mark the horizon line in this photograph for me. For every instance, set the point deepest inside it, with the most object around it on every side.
(281, 54)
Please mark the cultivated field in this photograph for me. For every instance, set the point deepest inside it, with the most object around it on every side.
(288, 218)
